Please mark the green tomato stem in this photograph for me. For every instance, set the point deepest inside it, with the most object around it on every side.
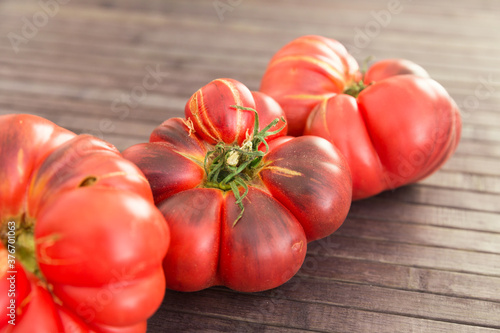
(229, 167)
(22, 242)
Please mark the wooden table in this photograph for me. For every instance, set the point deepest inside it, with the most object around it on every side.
(424, 258)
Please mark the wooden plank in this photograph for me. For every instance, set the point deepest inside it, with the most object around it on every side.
(484, 117)
(436, 307)
(404, 277)
(482, 132)
(383, 208)
(322, 316)
(465, 181)
(195, 322)
(477, 148)
(452, 260)
(407, 233)
(485, 202)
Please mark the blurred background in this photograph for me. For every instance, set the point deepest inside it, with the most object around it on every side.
(420, 259)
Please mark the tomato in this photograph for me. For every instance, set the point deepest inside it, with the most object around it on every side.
(306, 71)
(241, 199)
(82, 242)
(394, 125)
(399, 129)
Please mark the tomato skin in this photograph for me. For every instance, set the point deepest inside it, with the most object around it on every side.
(117, 304)
(78, 271)
(176, 132)
(194, 218)
(278, 141)
(99, 239)
(414, 123)
(311, 178)
(306, 71)
(40, 310)
(267, 246)
(22, 284)
(269, 110)
(398, 131)
(391, 67)
(207, 249)
(155, 158)
(329, 120)
(265, 249)
(24, 154)
(137, 328)
(214, 123)
(62, 171)
(228, 124)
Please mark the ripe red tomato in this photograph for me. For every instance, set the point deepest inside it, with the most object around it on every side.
(395, 125)
(81, 240)
(239, 216)
(399, 128)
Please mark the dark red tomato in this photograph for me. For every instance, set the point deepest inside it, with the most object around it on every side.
(82, 242)
(240, 215)
(395, 128)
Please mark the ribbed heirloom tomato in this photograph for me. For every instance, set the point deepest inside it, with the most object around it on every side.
(82, 242)
(240, 212)
(394, 125)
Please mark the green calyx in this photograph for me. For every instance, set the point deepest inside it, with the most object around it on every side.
(17, 235)
(229, 167)
(355, 88)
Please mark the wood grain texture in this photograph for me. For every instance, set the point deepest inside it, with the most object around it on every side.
(422, 258)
